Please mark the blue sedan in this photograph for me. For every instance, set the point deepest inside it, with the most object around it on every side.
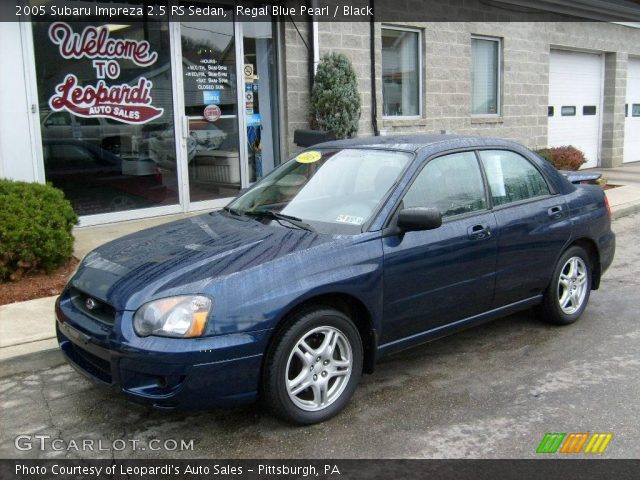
(349, 251)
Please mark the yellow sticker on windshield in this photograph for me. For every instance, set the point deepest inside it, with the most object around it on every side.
(308, 157)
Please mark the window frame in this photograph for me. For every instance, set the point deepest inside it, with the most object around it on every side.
(487, 194)
(483, 181)
(420, 114)
(500, 72)
(387, 226)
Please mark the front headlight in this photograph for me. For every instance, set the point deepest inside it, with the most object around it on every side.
(181, 316)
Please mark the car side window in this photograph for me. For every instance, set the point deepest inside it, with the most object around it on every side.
(451, 183)
(512, 177)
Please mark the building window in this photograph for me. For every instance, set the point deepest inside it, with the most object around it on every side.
(401, 72)
(568, 111)
(486, 75)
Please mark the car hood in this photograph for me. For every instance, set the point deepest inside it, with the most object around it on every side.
(184, 257)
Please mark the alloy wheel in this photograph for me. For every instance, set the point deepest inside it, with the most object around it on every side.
(572, 285)
(318, 368)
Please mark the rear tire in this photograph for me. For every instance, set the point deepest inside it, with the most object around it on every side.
(568, 293)
(313, 369)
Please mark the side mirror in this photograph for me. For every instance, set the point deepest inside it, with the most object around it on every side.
(419, 218)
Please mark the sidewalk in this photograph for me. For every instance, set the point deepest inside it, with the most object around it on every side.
(624, 200)
(33, 344)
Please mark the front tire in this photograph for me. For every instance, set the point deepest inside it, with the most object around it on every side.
(314, 367)
(568, 293)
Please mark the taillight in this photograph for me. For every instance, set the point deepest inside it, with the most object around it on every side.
(607, 206)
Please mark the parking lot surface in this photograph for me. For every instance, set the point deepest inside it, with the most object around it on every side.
(489, 392)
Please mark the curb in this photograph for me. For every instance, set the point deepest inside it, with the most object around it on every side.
(626, 210)
(49, 358)
(29, 362)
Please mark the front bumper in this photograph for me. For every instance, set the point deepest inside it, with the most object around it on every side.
(167, 373)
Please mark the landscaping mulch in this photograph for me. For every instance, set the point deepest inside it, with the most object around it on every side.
(36, 285)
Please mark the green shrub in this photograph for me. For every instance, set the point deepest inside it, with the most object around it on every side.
(35, 228)
(563, 158)
(335, 102)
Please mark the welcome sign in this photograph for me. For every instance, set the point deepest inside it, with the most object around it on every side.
(122, 102)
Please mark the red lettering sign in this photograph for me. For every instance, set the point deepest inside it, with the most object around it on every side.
(120, 102)
(95, 42)
(123, 102)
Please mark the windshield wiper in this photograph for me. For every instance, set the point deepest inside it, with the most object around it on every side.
(234, 211)
(281, 216)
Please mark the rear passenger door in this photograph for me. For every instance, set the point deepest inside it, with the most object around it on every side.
(438, 276)
(533, 225)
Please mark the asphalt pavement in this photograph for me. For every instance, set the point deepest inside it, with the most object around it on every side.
(489, 392)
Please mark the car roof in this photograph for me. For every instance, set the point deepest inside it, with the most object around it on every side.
(414, 143)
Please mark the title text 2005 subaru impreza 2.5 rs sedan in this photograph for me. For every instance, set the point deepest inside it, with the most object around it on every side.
(349, 251)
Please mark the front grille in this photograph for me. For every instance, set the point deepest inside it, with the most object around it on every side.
(101, 311)
(95, 366)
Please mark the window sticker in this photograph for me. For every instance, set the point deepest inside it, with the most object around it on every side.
(308, 157)
(352, 219)
(493, 166)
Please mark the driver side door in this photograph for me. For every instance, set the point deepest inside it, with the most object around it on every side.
(436, 277)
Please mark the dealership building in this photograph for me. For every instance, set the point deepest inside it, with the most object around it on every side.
(157, 117)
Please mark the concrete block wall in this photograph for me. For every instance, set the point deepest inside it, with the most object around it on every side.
(447, 77)
(615, 88)
(353, 40)
(296, 80)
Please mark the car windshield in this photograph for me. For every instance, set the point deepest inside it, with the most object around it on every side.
(332, 190)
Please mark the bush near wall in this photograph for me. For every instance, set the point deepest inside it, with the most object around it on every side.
(335, 101)
(35, 228)
(563, 158)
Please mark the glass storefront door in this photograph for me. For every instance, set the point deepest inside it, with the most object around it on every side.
(260, 101)
(211, 109)
(230, 106)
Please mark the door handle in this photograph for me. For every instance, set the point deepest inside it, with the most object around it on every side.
(555, 211)
(478, 232)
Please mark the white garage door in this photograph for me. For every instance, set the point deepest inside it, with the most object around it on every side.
(575, 98)
(632, 113)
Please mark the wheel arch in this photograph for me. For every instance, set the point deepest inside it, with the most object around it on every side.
(594, 256)
(346, 303)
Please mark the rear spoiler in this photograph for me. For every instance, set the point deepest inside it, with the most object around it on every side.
(581, 177)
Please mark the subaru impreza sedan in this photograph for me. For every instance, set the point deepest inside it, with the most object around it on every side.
(349, 251)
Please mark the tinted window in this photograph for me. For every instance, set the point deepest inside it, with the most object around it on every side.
(58, 119)
(88, 121)
(568, 111)
(512, 177)
(452, 184)
(589, 110)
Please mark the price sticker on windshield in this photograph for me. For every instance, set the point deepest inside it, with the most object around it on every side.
(308, 157)
(352, 219)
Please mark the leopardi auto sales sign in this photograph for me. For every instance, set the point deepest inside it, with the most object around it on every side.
(123, 102)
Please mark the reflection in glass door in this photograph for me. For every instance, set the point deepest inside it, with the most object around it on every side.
(211, 108)
(260, 98)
